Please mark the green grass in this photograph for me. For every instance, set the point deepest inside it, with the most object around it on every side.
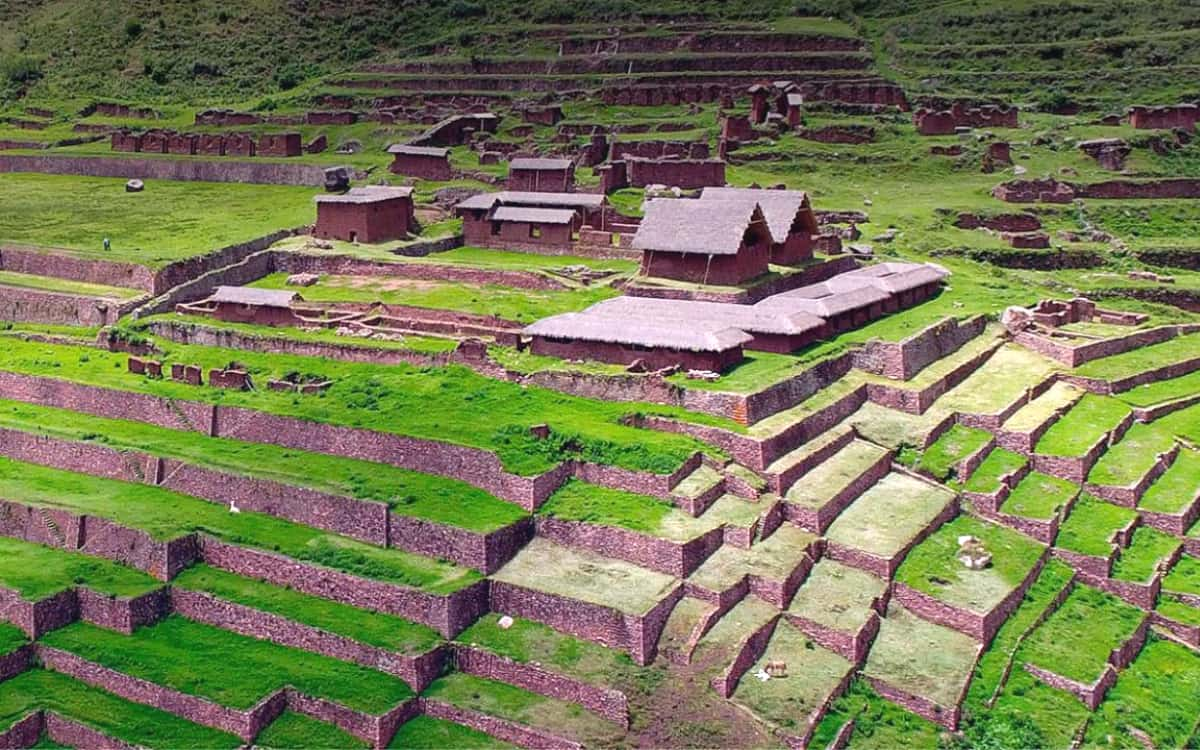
(452, 404)
(366, 626)
(1141, 359)
(1157, 694)
(116, 717)
(1090, 526)
(941, 458)
(529, 642)
(1184, 577)
(998, 463)
(292, 731)
(428, 733)
(406, 492)
(168, 221)
(521, 305)
(52, 284)
(11, 638)
(909, 505)
(1076, 640)
(1080, 428)
(1039, 496)
(167, 515)
(36, 572)
(1176, 489)
(420, 344)
(1140, 559)
(878, 723)
(921, 658)
(1163, 390)
(514, 704)
(933, 568)
(589, 503)
(230, 669)
(1134, 455)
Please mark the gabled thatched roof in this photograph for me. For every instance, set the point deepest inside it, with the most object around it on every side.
(534, 215)
(587, 327)
(688, 312)
(406, 149)
(368, 194)
(485, 201)
(245, 295)
(780, 207)
(678, 225)
(539, 163)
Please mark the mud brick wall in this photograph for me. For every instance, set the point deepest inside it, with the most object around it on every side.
(679, 559)
(448, 614)
(109, 273)
(418, 671)
(606, 702)
(26, 732)
(59, 308)
(500, 729)
(904, 359)
(267, 173)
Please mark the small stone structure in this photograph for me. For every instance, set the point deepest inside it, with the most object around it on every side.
(424, 162)
(365, 214)
(960, 115)
(1164, 118)
(704, 242)
(541, 175)
(1110, 153)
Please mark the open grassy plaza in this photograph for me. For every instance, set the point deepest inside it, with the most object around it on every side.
(609, 375)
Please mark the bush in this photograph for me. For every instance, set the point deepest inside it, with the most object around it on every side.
(19, 69)
(466, 9)
(133, 29)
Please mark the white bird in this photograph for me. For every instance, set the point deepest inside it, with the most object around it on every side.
(233, 507)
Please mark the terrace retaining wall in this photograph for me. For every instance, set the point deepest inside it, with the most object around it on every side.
(15, 662)
(191, 170)
(749, 651)
(60, 308)
(679, 559)
(902, 360)
(497, 728)
(65, 265)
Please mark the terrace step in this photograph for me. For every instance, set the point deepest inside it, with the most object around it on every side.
(816, 498)
(772, 569)
(1036, 416)
(785, 470)
(689, 621)
(699, 490)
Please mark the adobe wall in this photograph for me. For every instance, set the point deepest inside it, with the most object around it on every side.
(195, 170)
(418, 671)
(606, 702)
(448, 614)
(679, 559)
(39, 262)
(497, 728)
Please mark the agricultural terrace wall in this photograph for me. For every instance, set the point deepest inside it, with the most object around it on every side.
(26, 731)
(15, 662)
(635, 634)
(418, 671)
(885, 567)
(343, 265)
(946, 716)
(606, 702)
(780, 482)
(484, 552)
(71, 733)
(1074, 356)
(679, 559)
(1076, 468)
(918, 401)
(497, 728)
(1131, 494)
(192, 170)
(818, 520)
(749, 651)
(448, 614)
(852, 646)
(709, 42)
(60, 308)
(902, 360)
(64, 265)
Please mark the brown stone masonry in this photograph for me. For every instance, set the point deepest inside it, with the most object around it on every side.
(500, 729)
(25, 732)
(749, 651)
(679, 559)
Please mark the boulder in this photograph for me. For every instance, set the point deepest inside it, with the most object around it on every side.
(134, 186)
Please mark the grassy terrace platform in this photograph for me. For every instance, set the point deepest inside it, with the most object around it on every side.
(921, 658)
(894, 429)
(36, 572)
(773, 559)
(1140, 559)
(452, 404)
(587, 503)
(365, 626)
(1090, 526)
(168, 221)
(1039, 496)
(167, 515)
(813, 674)
(116, 717)
(499, 699)
(229, 669)
(885, 518)
(1076, 640)
(1134, 455)
(998, 463)
(1184, 577)
(64, 286)
(940, 459)
(819, 486)
(932, 567)
(406, 492)
(1142, 359)
(1040, 409)
(553, 569)
(1000, 381)
(1080, 428)
(837, 596)
(11, 638)
(1164, 390)
(427, 733)
(1157, 695)
(521, 305)
(293, 731)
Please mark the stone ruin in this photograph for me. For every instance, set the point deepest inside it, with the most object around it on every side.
(1109, 153)
(960, 115)
(972, 553)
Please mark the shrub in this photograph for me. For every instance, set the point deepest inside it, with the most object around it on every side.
(133, 29)
(19, 69)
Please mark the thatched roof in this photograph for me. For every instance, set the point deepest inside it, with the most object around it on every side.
(677, 225)
(587, 327)
(485, 201)
(856, 289)
(780, 208)
(407, 150)
(747, 318)
(370, 194)
(245, 295)
(534, 215)
(537, 163)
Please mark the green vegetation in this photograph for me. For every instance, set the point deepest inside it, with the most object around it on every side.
(1079, 429)
(428, 733)
(1146, 550)
(588, 503)
(1039, 496)
(1076, 640)
(1184, 576)
(230, 669)
(909, 504)
(11, 638)
(1157, 695)
(373, 628)
(292, 730)
(1134, 455)
(1177, 489)
(36, 572)
(920, 658)
(941, 458)
(168, 221)
(51, 284)
(999, 463)
(166, 515)
(878, 723)
(406, 492)
(1141, 359)
(116, 717)
(1163, 390)
(1089, 528)
(933, 567)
